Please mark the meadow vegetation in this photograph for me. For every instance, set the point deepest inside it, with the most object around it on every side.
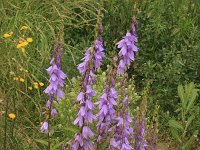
(163, 81)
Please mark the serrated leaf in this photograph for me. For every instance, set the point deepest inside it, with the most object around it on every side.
(182, 96)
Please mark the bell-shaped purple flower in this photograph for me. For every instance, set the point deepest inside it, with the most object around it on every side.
(91, 62)
(45, 127)
(127, 50)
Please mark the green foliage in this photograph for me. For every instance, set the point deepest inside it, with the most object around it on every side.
(169, 48)
(184, 129)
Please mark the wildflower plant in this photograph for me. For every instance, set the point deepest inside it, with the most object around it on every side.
(107, 113)
(123, 129)
(91, 62)
(53, 90)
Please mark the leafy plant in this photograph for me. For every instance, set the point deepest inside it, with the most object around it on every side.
(181, 128)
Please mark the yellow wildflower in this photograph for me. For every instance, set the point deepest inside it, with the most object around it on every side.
(12, 116)
(15, 78)
(30, 88)
(21, 80)
(19, 45)
(29, 39)
(23, 28)
(22, 44)
(21, 69)
(35, 85)
(41, 83)
(7, 35)
(25, 70)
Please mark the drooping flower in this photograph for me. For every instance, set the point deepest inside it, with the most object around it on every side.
(140, 141)
(45, 127)
(107, 112)
(55, 84)
(123, 130)
(106, 105)
(91, 62)
(127, 50)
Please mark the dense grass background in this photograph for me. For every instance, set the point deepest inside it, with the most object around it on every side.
(169, 35)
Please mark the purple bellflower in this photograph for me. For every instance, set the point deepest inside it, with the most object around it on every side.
(140, 141)
(91, 61)
(107, 113)
(123, 130)
(55, 83)
(127, 50)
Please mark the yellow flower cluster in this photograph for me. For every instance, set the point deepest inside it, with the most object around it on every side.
(24, 70)
(11, 116)
(7, 35)
(24, 28)
(18, 79)
(36, 85)
(22, 44)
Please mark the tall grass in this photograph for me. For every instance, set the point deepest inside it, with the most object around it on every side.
(48, 21)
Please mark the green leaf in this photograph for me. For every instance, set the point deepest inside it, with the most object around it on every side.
(175, 134)
(192, 97)
(41, 141)
(175, 124)
(181, 94)
(190, 119)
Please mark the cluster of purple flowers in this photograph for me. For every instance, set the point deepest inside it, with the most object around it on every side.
(123, 132)
(123, 129)
(107, 113)
(91, 62)
(54, 88)
(127, 50)
(140, 141)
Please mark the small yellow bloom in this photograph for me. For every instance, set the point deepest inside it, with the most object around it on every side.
(15, 78)
(35, 85)
(25, 70)
(24, 43)
(30, 88)
(21, 69)
(23, 28)
(12, 116)
(19, 45)
(41, 83)
(7, 35)
(21, 80)
(29, 40)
